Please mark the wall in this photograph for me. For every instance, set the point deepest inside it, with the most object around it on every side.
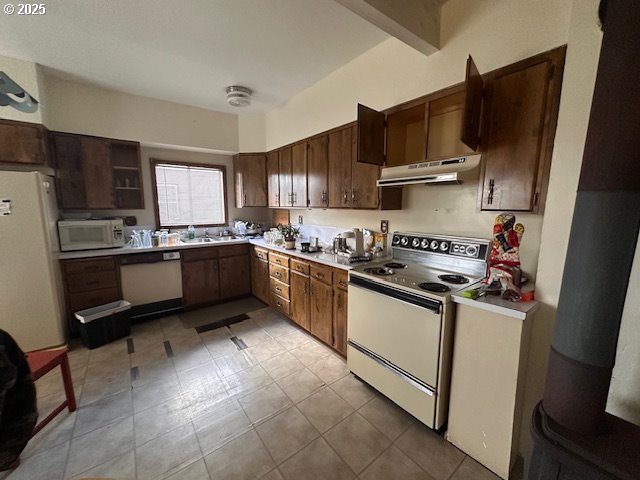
(26, 75)
(147, 216)
(251, 132)
(80, 108)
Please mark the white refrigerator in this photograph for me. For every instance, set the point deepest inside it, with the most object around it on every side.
(31, 298)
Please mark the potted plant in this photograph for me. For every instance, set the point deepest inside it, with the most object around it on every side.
(289, 233)
(253, 228)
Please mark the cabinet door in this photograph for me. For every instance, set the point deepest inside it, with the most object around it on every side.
(370, 136)
(69, 171)
(473, 87)
(98, 172)
(364, 191)
(284, 177)
(340, 320)
(200, 282)
(300, 299)
(235, 276)
(299, 175)
(250, 180)
(273, 187)
(340, 151)
(317, 165)
(260, 279)
(321, 311)
(22, 142)
(518, 108)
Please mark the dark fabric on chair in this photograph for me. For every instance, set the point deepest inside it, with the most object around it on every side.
(18, 409)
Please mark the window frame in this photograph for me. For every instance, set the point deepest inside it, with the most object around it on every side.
(153, 162)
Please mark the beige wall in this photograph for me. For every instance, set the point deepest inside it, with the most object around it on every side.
(251, 132)
(86, 109)
(25, 74)
(147, 216)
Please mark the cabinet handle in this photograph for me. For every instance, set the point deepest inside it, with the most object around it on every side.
(353, 196)
(312, 291)
(277, 274)
(324, 197)
(278, 289)
(244, 198)
(345, 197)
(491, 187)
(94, 282)
(305, 288)
(342, 284)
(279, 304)
(320, 275)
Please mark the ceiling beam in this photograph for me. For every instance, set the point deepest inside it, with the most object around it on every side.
(416, 23)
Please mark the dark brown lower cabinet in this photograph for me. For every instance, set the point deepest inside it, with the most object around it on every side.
(235, 276)
(260, 275)
(340, 299)
(321, 311)
(200, 282)
(300, 301)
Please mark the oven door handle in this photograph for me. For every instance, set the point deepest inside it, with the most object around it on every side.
(400, 295)
(410, 379)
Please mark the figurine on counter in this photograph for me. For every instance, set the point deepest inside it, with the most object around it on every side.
(504, 275)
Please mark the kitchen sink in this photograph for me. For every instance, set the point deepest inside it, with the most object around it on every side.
(209, 239)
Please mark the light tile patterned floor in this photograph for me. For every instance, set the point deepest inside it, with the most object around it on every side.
(186, 406)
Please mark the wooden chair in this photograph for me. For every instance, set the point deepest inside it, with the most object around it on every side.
(42, 362)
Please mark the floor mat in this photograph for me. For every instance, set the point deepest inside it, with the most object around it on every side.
(216, 313)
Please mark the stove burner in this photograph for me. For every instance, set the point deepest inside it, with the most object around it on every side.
(378, 271)
(395, 265)
(434, 287)
(455, 279)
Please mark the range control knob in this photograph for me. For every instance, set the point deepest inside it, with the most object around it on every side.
(456, 248)
(415, 243)
(433, 245)
(472, 250)
(396, 240)
(404, 241)
(424, 243)
(444, 246)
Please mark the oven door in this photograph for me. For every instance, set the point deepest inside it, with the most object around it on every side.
(394, 346)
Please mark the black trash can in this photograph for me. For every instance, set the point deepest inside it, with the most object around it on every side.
(105, 323)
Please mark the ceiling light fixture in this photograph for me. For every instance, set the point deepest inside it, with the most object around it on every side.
(238, 96)
(13, 95)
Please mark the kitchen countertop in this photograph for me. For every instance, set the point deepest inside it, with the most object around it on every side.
(104, 252)
(493, 303)
(329, 259)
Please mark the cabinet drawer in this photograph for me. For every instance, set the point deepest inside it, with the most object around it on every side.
(340, 279)
(300, 267)
(260, 253)
(195, 254)
(278, 259)
(280, 304)
(94, 298)
(322, 273)
(279, 288)
(88, 266)
(279, 273)
(83, 282)
(233, 250)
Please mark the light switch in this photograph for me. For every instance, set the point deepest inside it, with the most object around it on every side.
(5, 206)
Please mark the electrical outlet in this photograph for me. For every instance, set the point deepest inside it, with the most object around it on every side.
(384, 226)
(299, 219)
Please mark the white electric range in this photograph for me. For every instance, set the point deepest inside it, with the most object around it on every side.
(400, 324)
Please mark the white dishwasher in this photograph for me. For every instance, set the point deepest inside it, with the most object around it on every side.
(152, 282)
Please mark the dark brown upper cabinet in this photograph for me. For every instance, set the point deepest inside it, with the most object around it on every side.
(519, 124)
(273, 180)
(97, 173)
(299, 175)
(371, 125)
(473, 93)
(23, 143)
(317, 171)
(250, 174)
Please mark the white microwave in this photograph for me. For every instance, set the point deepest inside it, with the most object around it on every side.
(90, 234)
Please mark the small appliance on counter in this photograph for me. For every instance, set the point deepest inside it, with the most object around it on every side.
(90, 234)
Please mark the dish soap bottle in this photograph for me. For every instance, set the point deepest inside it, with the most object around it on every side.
(191, 232)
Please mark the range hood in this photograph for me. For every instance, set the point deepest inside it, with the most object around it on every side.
(437, 171)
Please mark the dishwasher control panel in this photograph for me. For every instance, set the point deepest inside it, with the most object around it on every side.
(171, 256)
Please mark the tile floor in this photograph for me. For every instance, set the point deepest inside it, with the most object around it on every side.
(186, 406)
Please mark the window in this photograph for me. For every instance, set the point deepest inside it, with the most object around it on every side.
(189, 194)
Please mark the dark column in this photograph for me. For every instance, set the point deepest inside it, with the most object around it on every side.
(604, 233)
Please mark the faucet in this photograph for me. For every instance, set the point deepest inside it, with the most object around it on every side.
(206, 233)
